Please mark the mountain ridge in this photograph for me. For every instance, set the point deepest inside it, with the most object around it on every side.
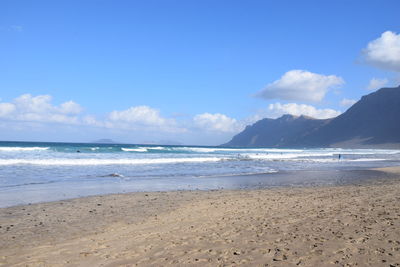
(374, 121)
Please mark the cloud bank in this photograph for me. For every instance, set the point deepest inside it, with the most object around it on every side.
(39, 109)
(140, 122)
(300, 85)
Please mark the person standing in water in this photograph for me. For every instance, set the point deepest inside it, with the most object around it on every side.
(340, 156)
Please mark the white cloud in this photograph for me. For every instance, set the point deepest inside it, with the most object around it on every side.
(33, 104)
(39, 109)
(140, 114)
(6, 109)
(92, 121)
(140, 117)
(345, 102)
(70, 107)
(278, 109)
(300, 85)
(375, 83)
(216, 122)
(384, 52)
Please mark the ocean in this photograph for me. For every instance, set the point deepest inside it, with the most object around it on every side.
(32, 172)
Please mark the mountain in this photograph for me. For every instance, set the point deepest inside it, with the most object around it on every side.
(285, 131)
(374, 121)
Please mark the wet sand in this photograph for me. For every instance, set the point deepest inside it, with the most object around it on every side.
(349, 225)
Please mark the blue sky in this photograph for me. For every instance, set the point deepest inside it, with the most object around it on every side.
(194, 72)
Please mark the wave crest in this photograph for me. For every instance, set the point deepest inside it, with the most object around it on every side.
(139, 149)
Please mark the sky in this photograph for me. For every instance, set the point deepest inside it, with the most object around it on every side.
(185, 71)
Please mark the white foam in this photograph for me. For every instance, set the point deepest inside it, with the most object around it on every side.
(271, 150)
(157, 148)
(144, 148)
(139, 149)
(233, 150)
(364, 151)
(15, 148)
(87, 162)
(334, 160)
(273, 156)
(198, 149)
(367, 159)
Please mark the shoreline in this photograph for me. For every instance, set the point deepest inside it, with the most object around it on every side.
(285, 226)
(45, 193)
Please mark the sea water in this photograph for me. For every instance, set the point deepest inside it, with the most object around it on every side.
(36, 172)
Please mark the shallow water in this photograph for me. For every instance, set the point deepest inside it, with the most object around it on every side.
(37, 172)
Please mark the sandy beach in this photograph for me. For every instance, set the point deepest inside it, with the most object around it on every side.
(350, 225)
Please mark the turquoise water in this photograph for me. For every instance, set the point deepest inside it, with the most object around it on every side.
(36, 172)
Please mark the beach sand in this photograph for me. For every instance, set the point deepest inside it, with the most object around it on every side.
(351, 225)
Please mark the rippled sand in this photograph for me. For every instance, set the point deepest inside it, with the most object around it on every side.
(321, 226)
